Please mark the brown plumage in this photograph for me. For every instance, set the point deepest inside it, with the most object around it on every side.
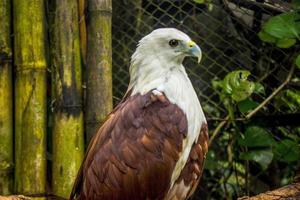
(134, 153)
(191, 173)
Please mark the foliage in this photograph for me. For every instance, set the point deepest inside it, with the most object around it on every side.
(251, 149)
(283, 30)
(288, 100)
(199, 1)
(298, 61)
(287, 150)
(236, 88)
(256, 136)
(246, 142)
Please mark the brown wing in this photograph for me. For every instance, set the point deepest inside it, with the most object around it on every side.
(190, 176)
(134, 153)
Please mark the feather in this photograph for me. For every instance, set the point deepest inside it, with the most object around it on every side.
(129, 163)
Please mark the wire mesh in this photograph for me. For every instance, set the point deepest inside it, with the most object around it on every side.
(226, 31)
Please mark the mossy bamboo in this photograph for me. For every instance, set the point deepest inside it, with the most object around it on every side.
(68, 138)
(30, 96)
(6, 111)
(82, 28)
(98, 71)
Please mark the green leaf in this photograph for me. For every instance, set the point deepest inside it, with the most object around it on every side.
(256, 136)
(266, 37)
(236, 85)
(199, 1)
(287, 151)
(239, 167)
(288, 99)
(298, 61)
(285, 25)
(211, 110)
(262, 157)
(217, 84)
(286, 42)
(247, 105)
(294, 97)
(259, 88)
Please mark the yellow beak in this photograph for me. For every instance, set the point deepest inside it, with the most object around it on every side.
(194, 50)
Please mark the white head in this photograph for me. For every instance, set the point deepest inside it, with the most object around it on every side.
(159, 51)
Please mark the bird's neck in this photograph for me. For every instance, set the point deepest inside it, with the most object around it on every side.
(151, 72)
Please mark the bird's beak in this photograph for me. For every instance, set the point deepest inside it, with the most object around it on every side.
(194, 50)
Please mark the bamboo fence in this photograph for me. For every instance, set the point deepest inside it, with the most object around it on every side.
(98, 65)
(49, 55)
(6, 94)
(30, 96)
(67, 132)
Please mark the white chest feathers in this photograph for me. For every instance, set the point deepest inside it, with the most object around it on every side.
(176, 85)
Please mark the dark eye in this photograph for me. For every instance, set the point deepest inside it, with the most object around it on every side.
(173, 43)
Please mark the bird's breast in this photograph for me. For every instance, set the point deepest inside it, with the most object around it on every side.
(179, 90)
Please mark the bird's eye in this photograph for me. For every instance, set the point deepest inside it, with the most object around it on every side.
(173, 43)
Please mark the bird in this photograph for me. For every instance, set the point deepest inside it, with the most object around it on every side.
(153, 144)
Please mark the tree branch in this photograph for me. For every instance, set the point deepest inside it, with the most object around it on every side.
(273, 8)
(260, 106)
(216, 131)
(291, 191)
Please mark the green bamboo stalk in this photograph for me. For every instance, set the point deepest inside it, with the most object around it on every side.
(82, 29)
(6, 115)
(99, 72)
(30, 96)
(68, 138)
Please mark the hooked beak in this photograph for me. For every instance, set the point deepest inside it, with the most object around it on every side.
(194, 50)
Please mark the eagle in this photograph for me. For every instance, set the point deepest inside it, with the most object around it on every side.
(152, 146)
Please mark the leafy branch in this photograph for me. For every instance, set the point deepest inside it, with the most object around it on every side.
(235, 92)
(274, 93)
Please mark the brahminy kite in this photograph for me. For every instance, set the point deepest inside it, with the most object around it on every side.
(153, 144)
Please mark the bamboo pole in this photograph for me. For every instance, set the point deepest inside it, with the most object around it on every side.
(30, 96)
(82, 28)
(98, 71)
(6, 115)
(68, 139)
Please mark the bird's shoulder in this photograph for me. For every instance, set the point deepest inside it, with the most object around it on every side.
(134, 152)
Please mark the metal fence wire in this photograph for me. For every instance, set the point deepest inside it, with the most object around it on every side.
(226, 31)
